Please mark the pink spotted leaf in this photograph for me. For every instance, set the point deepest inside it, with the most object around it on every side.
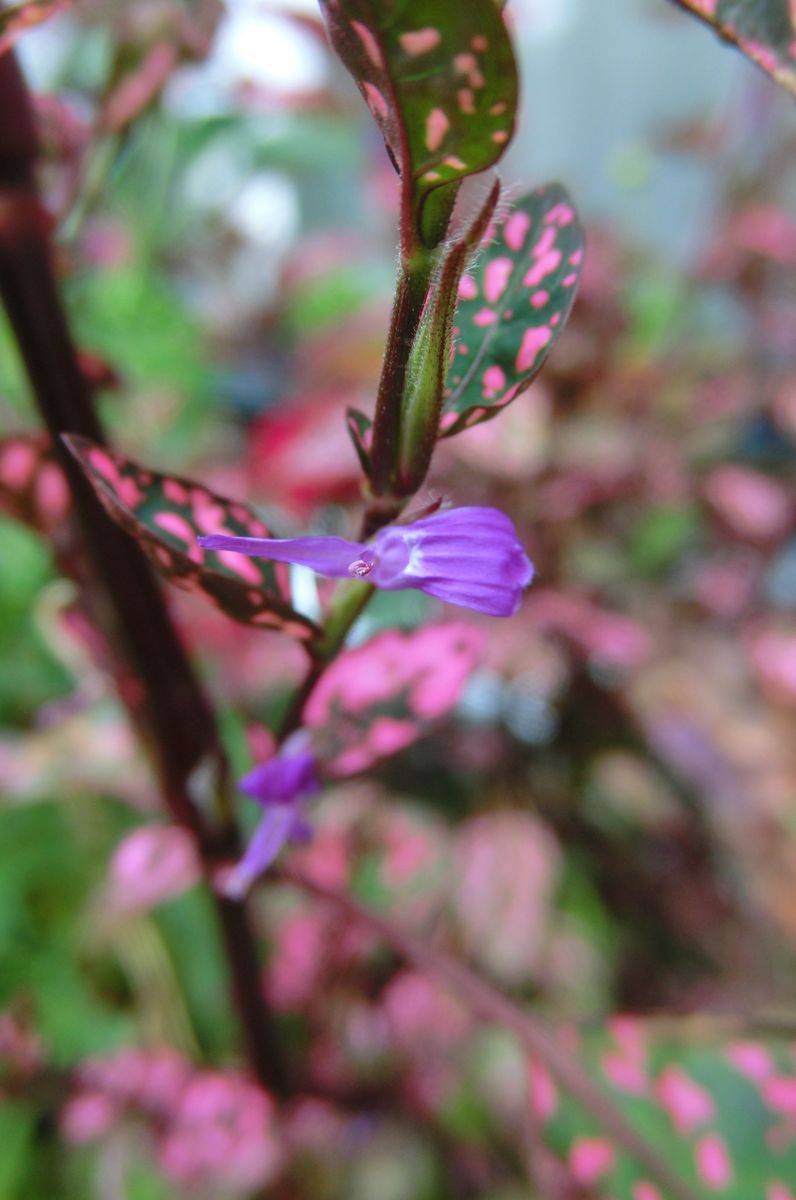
(763, 30)
(378, 698)
(166, 515)
(441, 83)
(721, 1113)
(512, 307)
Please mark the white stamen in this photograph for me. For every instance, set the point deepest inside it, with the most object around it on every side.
(359, 568)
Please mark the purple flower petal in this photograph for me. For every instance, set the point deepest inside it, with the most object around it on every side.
(280, 786)
(281, 779)
(466, 556)
(269, 837)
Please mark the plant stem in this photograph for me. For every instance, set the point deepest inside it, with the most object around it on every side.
(493, 1006)
(159, 688)
(414, 280)
(348, 601)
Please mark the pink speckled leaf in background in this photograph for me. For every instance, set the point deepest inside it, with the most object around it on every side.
(441, 83)
(764, 30)
(721, 1112)
(506, 868)
(166, 515)
(379, 697)
(512, 307)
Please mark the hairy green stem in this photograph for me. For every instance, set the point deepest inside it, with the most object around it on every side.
(348, 602)
(411, 388)
(414, 281)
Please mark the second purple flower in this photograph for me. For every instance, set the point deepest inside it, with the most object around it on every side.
(280, 786)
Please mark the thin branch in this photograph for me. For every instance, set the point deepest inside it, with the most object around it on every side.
(491, 1005)
(160, 690)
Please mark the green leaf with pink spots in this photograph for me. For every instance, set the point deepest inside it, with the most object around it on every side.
(378, 698)
(441, 83)
(166, 515)
(721, 1114)
(512, 307)
(764, 30)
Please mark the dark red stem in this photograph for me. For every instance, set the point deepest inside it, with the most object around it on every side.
(161, 692)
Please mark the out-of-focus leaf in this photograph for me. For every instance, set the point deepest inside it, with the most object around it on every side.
(506, 866)
(31, 676)
(145, 1182)
(440, 82)
(764, 30)
(167, 360)
(512, 307)
(17, 1137)
(32, 486)
(188, 922)
(720, 1113)
(324, 300)
(16, 18)
(140, 86)
(46, 877)
(378, 698)
(166, 514)
(661, 535)
(299, 455)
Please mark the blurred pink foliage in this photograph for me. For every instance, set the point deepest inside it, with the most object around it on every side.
(773, 655)
(609, 638)
(210, 1126)
(150, 865)
(221, 1128)
(754, 506)
(506, 868)
(312, 435)
(422, 1016)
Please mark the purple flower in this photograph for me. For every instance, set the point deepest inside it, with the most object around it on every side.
(466, 556)
(279, 786)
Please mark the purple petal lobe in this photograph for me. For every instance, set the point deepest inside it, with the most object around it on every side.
(466, 556)
(282, 779)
